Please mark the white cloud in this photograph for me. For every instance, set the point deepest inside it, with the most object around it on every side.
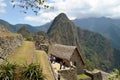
(42, 18)
(2, 6)
(79, 9)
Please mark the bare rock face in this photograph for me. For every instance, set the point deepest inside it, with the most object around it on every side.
(8, 42)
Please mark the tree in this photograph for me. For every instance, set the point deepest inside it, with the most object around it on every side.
(34, 5)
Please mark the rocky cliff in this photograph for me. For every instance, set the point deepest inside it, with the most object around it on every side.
(8, 42)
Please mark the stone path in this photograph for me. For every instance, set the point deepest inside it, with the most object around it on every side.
(56, 68)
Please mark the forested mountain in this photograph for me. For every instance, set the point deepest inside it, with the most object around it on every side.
(96, 49)
(109, 28)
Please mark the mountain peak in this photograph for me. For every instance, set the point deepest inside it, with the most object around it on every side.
(62, 26)
(61, 21)
(61, 16)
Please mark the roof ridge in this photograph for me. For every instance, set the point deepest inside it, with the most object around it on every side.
(64, 45)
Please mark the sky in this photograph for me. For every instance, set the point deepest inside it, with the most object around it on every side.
(72, 8)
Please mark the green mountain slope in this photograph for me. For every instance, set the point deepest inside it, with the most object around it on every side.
(25, 33)
(96, 49)
(109, 28)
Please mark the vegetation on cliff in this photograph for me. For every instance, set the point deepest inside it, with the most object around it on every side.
(114, 75)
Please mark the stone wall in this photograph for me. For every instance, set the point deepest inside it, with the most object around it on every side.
(3, 29)
(77, 61)
(97, 74)
(8, 43)
(40, 46)
(69, 74)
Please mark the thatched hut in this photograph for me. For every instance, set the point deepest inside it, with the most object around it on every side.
(67, 54)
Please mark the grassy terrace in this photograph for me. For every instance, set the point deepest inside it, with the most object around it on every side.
(27, 54)
(41, 58)
(8, 34)
(23, 54)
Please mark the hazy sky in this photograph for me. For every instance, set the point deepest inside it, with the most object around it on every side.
(73, 9)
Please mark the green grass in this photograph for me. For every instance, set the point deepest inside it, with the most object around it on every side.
(41, 58)
(23, 54)
(82, 76)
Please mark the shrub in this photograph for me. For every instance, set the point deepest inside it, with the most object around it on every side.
(32, 72)
(7, 71)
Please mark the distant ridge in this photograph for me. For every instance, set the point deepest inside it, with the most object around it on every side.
(15, 28)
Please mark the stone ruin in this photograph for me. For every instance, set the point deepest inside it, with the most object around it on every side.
(97, 74)
(41, 46)
(3, 29)
(69, 74)
(8, 42)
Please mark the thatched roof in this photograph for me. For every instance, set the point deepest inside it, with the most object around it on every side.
(62, 51)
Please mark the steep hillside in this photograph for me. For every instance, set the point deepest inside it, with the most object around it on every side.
(96, 49)
(109, 28)
(63, 30)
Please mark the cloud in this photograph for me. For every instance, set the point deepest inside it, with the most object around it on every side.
(79, 9)
(2, 6)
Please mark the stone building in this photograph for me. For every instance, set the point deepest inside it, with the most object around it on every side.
(8, 42)
(67, 53)
(41, 46)
(97, 74)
